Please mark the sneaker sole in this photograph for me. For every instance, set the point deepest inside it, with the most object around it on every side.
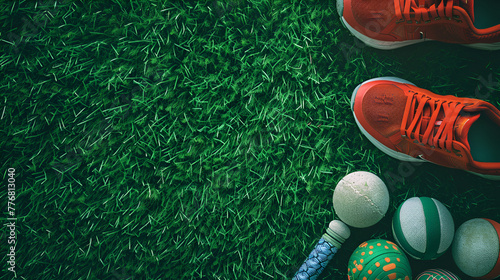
(389, 45)
(489, 177)
(383, 45)
(388, 151)
(484, 46)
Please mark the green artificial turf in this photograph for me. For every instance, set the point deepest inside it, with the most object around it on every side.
(203, 139)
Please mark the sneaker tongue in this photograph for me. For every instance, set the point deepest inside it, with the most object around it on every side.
(462, 126)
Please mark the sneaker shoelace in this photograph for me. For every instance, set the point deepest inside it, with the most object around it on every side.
(422, 13)
(435, 118)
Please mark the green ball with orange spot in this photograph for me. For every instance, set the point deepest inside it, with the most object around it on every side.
(378, 259)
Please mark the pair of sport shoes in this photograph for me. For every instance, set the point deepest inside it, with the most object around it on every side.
(413, 124)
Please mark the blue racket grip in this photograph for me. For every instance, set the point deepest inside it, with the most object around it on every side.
(317, 261)
(327, 247)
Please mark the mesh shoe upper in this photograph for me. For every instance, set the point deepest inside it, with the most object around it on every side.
(404, 119)
(399, 20)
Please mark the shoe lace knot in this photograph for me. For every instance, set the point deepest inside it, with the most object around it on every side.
(422, 12)
(429, 121)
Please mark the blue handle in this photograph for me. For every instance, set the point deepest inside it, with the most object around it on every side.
(317, 261)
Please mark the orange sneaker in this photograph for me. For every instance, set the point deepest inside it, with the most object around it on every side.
(389, 24)
(413, 124)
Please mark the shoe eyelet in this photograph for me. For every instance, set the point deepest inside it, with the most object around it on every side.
(409, 21)
(417, 22)
(437, 18)
(448, 18)
(456, 16)
(427, 21)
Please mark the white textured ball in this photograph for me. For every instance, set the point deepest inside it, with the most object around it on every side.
(423, 227)
(476, 248)
(361, 199)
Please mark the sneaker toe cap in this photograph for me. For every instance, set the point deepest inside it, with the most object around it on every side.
(379, 107)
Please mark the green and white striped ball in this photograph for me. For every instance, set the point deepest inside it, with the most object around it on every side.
(437, 274)
(423, 227)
